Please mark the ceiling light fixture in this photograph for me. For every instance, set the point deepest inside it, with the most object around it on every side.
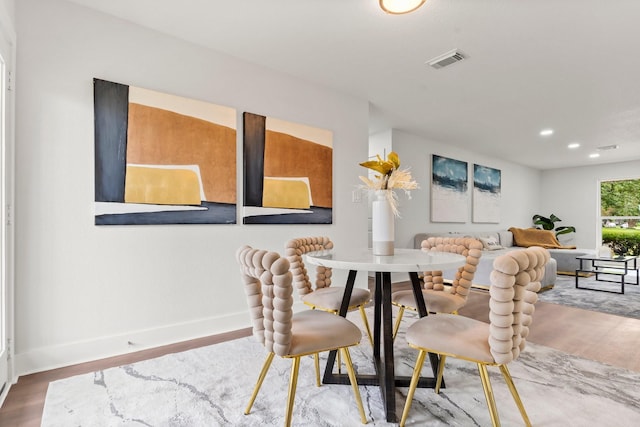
(546, 132)
(398, 7)
(573, 145)
(594, 155)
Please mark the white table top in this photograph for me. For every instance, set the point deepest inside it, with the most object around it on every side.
(403, 260)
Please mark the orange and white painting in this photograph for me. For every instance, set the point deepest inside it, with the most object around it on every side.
(162, 159)
(288, 172)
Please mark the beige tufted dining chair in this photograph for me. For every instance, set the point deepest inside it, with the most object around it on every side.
(268, 287)
(320, 294)
(437, 297)
(515, 281)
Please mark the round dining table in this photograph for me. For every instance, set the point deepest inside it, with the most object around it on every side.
(411, 261)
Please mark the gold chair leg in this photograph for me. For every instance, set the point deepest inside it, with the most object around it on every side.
(354, 382)
(316, 358)
(256, 389)
(412, 386)
(440, 372)
(396, 327)
(488, 394)
(516, 397)
(293, 381)
(366, 324)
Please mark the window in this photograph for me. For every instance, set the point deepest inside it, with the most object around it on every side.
(620, 215)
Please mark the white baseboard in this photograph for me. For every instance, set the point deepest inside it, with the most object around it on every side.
(45, 358)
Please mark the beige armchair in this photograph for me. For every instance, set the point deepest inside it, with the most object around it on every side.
(515, 281)
(439, 298)
(268, 287)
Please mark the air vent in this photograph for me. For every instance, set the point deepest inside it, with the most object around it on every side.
(608, 147)
(445, 59)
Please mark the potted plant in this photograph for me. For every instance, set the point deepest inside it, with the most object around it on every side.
(545, 223)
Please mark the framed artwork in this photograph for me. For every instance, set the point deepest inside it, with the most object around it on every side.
(449, 181)
(162, 159)
(288, 172)
(487, 187)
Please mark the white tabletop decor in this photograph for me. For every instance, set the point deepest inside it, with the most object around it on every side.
(384, 207)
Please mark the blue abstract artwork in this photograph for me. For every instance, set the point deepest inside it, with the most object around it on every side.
(449, 182)
(487, 187)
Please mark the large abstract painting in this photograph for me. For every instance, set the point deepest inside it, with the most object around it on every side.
(288, 172)
(449, 181)
(486, 194)
(162, 159)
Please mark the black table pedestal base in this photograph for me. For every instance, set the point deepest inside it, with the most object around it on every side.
(383, 344)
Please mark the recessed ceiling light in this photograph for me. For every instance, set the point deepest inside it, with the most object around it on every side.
(594, 155)
(573, 145)
(546, 132)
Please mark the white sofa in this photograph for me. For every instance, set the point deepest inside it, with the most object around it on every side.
(505, 240)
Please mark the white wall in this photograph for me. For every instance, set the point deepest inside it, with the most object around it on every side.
(520, 189)
(573, 195)
(84, 291)
(380, 143)
(8, 10)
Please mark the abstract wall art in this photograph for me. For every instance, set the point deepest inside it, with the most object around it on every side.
(162, 159)
(487, 187)
(449, 182)
(288, 172)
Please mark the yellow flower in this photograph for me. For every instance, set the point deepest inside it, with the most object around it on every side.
(385, 167)
(390, 177)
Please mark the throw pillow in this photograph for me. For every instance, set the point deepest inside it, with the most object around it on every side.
(490, 243)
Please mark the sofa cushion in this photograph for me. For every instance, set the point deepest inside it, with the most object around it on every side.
(490, 243)
(506, 238)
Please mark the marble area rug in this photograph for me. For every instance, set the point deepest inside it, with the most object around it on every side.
(564, 292)
(210, 386)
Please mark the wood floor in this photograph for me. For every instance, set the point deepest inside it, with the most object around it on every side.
(609, 339)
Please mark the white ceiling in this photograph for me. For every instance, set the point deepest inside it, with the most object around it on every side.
(569, 65)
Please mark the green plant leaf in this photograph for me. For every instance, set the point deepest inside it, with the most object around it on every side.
(546, 223)
(565, 230)
(549, 223)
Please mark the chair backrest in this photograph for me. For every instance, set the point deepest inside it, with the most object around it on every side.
(267, 285)
(469, 247)
(515, 281)
(294, 249)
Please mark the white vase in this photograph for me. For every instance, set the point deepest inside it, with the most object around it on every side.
(382, 224)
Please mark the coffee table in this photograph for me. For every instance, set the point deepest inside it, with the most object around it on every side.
(618, 266)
